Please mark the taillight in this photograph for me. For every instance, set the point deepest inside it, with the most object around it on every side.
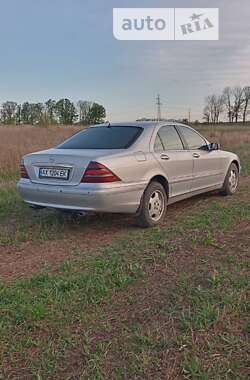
(23, 172)
(98, 173)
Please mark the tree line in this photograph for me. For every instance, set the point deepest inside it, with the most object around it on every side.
(233, 104)
(62, 111)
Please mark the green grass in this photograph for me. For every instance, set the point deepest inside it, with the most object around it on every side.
(19, 223)
(58, 296)
(41, 313)
(9, 201)
(196, 322)
(192, 369)
(8, 175)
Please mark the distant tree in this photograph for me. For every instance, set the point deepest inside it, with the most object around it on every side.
(50, 111)
(218, 107)
(79, 105)
(238, 100)
(32, 113)
(213, 108)
(97, 114)
(246, 95)
(90, 113)
(66, 111)
(36, 113)
(206, 114)
(25, 113)
(210, 107)
(84, 108)
(8, 112)
(19, 114)
(228, 102)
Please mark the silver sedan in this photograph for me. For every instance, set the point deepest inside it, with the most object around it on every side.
(136, 168)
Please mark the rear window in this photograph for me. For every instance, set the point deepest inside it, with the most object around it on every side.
(103, 138)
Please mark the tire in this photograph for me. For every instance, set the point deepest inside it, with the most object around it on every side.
(153, 206)
(231, 181)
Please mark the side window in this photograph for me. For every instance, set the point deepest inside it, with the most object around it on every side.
(170, 138)
(158, 147)
(193, 140)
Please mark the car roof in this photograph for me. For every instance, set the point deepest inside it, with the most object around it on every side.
(143, 124)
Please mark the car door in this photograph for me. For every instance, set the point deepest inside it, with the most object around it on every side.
(207, 169)
(176, 162)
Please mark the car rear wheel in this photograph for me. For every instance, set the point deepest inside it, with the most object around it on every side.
(231, 181)
(153, 206)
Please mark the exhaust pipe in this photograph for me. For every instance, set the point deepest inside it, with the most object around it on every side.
(81, 213)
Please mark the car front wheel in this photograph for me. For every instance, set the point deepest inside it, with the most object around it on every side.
(153, 206)
(231, 181)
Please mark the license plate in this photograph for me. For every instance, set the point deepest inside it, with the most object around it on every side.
(54, 173)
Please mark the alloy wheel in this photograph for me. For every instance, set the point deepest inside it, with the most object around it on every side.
(156, 205)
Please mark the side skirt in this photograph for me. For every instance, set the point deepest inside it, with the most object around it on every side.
(193, 193)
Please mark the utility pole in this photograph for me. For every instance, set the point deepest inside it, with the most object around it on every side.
(158, 103)
(189, 115)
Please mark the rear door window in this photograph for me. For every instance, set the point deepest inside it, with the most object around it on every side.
(168, 138)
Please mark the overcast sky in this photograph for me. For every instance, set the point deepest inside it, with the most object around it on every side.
(66, 48)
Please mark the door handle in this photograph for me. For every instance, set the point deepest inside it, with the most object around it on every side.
(196, 155)
(164, 157)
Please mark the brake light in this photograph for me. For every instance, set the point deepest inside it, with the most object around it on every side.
(98, 173)
(23, 172)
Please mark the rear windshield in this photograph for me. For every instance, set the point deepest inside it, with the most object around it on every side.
(113, 137)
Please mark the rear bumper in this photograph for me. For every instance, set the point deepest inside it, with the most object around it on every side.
(123, 199)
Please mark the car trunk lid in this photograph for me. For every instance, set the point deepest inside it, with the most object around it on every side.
(69, 164)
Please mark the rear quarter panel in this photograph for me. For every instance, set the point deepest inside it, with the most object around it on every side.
(134, 167)
(136, 164)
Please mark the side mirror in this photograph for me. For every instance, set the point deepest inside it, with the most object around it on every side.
(213, 146)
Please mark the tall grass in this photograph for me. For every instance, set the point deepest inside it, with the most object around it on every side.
(15, 141)
(226, 136)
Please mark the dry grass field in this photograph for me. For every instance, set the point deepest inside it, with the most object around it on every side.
(227, 136)
(98, 298)
(17, 141)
